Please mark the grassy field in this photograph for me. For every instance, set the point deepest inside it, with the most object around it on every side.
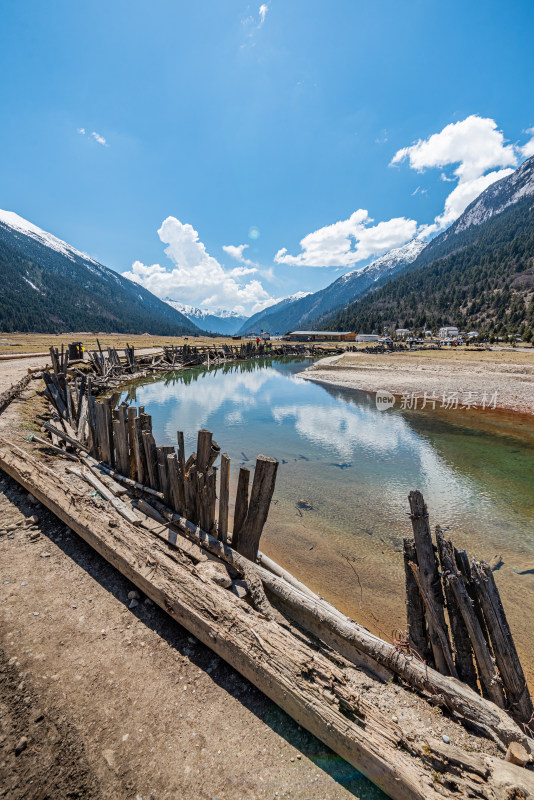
(16, 343)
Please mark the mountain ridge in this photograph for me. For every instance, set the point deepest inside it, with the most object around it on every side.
(50, 286)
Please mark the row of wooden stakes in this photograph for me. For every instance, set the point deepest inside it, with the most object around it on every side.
(476, 645)
(123, 439)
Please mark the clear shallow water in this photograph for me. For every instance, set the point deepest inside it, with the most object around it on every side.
(355, 466)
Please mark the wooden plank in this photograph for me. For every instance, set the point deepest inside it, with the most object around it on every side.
(432, 616)
(430, 581)
(174, 483)
(131, 416)
(511, 671)
(161, 455)
(241, 505)
(139, 450)
(121, 507)
(258, 508)
(224, 496)
(120, 439)
(415, 608)
(103, 426)
(463, 652)
(151, 457)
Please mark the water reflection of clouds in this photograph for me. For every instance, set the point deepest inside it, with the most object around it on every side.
(191, 404)
(361, 433)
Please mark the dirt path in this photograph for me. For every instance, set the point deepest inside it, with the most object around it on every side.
(505, 374)
(104, 698)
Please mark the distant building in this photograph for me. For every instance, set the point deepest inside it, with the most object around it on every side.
(402, 332)
(367, 337)
(448, 333)
(472, 334)
(321, 336)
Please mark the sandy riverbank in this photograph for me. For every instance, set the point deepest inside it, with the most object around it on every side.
(499, 378)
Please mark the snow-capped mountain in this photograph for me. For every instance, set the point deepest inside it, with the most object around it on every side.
(50, 286)
(219, 320)
(496, 198)
(291, 314)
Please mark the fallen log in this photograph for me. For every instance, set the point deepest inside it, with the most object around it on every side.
(459, 699)
(316, 692)
(10, 394)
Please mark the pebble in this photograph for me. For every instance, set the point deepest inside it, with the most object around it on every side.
(34, 518)
(446, 739)
(133, 603)
(35, 613)
(21, 745)
(45, 555)
(133, 595)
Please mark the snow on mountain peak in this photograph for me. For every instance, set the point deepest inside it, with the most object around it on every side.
(12, 220)
(399, 255)
(202, 313)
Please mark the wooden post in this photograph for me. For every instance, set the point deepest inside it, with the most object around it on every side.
(513, 677)
(203, 450)
(486, 668)
(162, 453)
(120, 438)
(132, 414)
(104, 431)
(258, 507)
(465, 666)
(415, 607)
(432, 616)
(430, 580)
(151, 457)
(241, 505)
(139, 450)
(174, 483)
(224, 492)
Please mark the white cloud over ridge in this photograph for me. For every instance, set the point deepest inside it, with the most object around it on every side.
(478, 149)
(196, 277)
(236, 252)
(348, 241)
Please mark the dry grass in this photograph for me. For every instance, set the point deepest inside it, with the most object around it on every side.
(14, 343)
(523, 354)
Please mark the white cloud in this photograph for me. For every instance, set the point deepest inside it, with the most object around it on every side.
(528, 149)
(348, 241)
(100, 139)
(236, 252)
(263, 9)
(197, 278)
(478, 149)
(96, 136)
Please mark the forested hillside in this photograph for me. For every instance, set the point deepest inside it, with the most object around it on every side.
(486, 284)
(48, 286)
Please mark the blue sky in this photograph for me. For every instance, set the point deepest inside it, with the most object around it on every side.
(223, 124)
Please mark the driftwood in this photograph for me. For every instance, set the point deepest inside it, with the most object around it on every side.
(309, 686)
(461, 701)
(13, 391)
(510, 669)
(430, 584)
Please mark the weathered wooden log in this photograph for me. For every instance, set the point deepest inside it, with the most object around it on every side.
(13, 391)
(53, 447)
(224, 496)
(131, 416)
(120, 440)
(164, 483)
(485, 665)
(104, 424)
(121, 507)
(459, 699)
(62, 435)
(89, 460)
(463, 660)
(258, 508)
(139, 451)
(203, 450)
(151, 457)
(241, 505)
(510, 669)
(415, 607)
(319, 694)
(430, 581)
(432, 616)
